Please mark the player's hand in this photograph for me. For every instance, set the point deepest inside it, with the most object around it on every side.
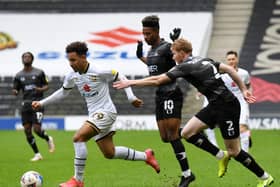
(121, 84)
(137, 103)
(139, 50)
(36, 105)
(248, 96)
(174, 35)
(15, 92)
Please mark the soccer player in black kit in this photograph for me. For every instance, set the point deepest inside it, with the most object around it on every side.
(169, 97)
(223, 109)
(32, 82)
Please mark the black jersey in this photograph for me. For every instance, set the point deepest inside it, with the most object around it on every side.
(159, 60)
(203, 74)
(27, 81)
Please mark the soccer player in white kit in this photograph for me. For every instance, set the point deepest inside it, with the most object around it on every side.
(245, 134)
(92, 83)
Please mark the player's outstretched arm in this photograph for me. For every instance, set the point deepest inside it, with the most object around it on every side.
(57, 95)
(148, 81)
(136, 102)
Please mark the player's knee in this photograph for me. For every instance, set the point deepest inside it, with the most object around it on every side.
(243, 128)
(186, 135)
(78, 138)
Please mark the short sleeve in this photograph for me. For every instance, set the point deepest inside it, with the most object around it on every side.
(16, 83)
(175, 72)
(247, 78)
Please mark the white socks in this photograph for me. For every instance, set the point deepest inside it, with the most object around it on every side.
(244, 140)
(128, 154)
(265, 176)
(220, 155)
(186, 173)
(80, 160)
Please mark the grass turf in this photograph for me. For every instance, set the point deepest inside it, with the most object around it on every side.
(100, 172)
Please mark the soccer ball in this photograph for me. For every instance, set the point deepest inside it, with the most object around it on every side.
(31, 179)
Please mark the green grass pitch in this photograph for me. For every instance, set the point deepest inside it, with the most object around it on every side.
(100, 172)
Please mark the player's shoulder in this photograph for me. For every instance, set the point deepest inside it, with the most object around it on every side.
(70, 75)
(19, 73)
(38, 71)
(164, 45)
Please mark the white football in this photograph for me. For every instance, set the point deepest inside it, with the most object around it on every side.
(31, 179)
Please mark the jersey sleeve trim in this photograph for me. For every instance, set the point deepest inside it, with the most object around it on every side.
(66, 88)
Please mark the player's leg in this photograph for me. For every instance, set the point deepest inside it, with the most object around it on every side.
(170, 127)
(32, 142)
(87, 131)
(244, 137)
(192, 133)
(245, 134)
(230, 132)
(37, 127)
(26, 116)
(233, 147)
(168, 115)
(110, 151)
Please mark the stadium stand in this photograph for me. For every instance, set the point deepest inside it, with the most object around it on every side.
(231, 20)
(74, 6)
(74, 105)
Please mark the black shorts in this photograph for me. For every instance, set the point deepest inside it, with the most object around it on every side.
(225, 115)
(169, 104)
(28, 115)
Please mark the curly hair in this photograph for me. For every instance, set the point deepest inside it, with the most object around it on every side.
(151, 21)
(79, 47)
(28, 53)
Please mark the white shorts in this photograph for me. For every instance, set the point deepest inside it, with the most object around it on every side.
(103, 121)
(244, 113)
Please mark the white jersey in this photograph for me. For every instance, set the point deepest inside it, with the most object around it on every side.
(93, 86)
(233, 87)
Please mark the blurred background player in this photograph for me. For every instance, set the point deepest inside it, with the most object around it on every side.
(245, 134)
(32, 82)
(92, 83)
(169, 97)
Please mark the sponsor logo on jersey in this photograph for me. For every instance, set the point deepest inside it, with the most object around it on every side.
(86, 88)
